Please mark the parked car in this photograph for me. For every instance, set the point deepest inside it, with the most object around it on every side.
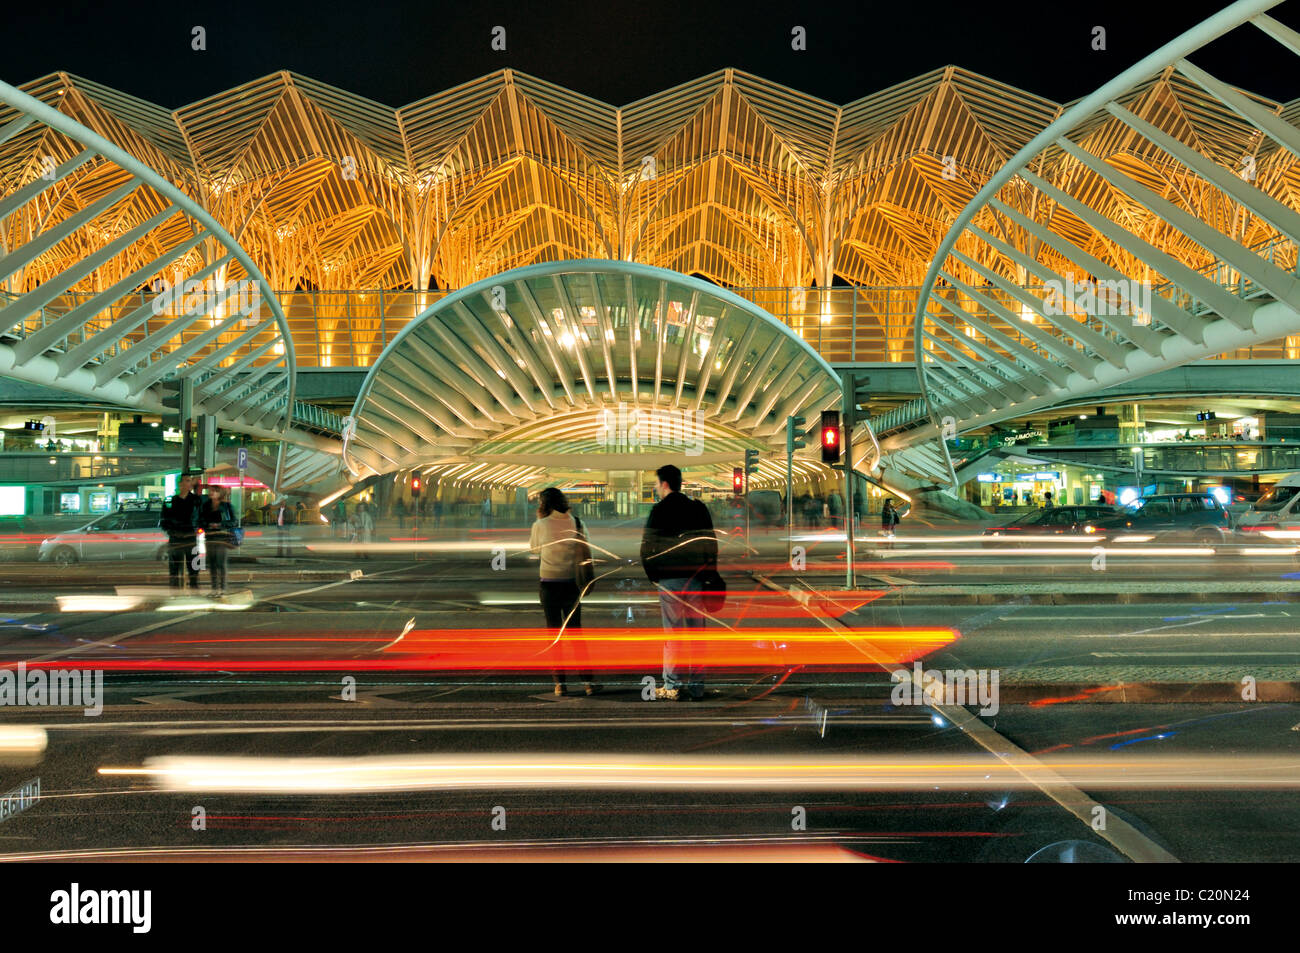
(1175, 517)
(132, 532)
(1054, 521)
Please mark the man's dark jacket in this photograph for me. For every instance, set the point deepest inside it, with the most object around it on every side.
(678, 540)
(179, 515)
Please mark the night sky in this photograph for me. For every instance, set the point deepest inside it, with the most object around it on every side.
(616, 52)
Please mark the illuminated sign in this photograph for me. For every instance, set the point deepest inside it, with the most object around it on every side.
(13, 500)
(101, 501)
(1048, 475)
(69, 502)
(990, 478)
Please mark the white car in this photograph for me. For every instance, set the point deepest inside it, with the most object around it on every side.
(131, 533)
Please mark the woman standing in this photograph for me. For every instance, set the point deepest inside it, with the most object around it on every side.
(888, 519)
(216, 519)
(557, 537)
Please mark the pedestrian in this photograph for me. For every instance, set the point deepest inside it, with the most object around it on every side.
(216, 519)
(1047, 499)
(558, 538)
(178, 522)
(486, 511)
(888, 519)
(282, 529)
(365, 527)
(299, 512)
(340, 527)
(677, 546)
(437, 513)
(399, 510)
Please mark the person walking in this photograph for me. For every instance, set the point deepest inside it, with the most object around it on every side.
(178, 523)
(340, 524)
(282, 520)
(399, 510)
(677, 545)
(558, 538)
(487, 512)
(216, 519)
(365, 527)
(888, 519)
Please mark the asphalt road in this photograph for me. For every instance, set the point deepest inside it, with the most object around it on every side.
(1093, 688)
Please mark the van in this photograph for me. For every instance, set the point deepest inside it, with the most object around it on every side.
(1279, 508)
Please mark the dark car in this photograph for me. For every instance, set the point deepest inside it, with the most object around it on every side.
(1175, 517)
(1054, 521)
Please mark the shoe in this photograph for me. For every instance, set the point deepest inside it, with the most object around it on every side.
(561, 690)
(667, 694)
(592, 688)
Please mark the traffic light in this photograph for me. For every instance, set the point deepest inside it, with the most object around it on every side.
(751, 464)
(795, 429)
(416, 485)
(830, 431)
(737, 481)
(207, 434)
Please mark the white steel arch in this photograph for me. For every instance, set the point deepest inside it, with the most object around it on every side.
(106, 327)
(1022, 309)
(589, 358)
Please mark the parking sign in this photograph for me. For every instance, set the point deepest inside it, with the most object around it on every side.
(243, 458)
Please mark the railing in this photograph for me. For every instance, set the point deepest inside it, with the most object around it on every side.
(868, 324)
(64, 467)
(1193, 457)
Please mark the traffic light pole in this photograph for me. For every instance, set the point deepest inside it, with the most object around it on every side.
(848, 418)
(794, 431)
(789, 493)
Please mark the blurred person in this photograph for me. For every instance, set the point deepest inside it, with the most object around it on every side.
(282, 528)
(1047, 499)
(178, 516)
(437, 513)
(486, 510)
(299, 512)
(365, 526)
(217, 521)
(399, 511)
(677, 546)
(888, 519)
(558, 538)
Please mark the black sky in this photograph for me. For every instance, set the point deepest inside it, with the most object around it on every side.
(615, 51)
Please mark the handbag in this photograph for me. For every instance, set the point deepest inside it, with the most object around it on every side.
(584, 572)
(713, 589)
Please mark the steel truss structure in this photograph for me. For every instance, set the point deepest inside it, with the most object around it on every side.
(1053, 285)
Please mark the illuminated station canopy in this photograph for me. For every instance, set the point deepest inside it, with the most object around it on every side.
(602, 364)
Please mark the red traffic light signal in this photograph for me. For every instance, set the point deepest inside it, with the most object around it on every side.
(416, 485)
(737, 481)
(830, 430)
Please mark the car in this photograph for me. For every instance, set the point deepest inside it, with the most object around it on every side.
(1173, 517)
(132, 532)
(1052, 521)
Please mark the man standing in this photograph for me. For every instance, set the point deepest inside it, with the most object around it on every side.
(678, 543)
(282, 520)
(178, 522)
